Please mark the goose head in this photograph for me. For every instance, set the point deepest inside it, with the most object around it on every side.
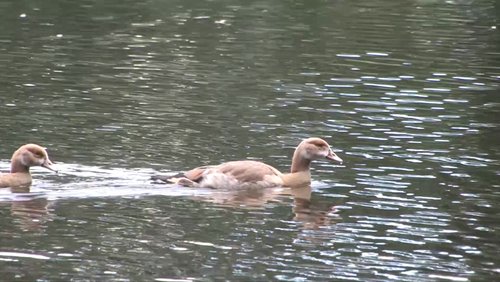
(317, 148)
(312, 149)
(30, 155)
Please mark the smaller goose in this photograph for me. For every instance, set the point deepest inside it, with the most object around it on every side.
(247, 173)
(25, 157)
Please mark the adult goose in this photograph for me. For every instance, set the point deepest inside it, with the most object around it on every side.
(23, 158)
(248, 173)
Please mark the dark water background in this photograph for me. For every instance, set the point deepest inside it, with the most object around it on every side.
(407, 93)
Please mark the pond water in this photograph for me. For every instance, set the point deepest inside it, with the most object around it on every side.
(406, 92)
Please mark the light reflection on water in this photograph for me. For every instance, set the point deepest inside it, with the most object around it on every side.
(342, 230)
(121, 91)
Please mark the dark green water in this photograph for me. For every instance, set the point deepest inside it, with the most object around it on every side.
(407, 93)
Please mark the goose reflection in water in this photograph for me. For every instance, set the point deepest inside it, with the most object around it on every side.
(309, 213)
(30, 213)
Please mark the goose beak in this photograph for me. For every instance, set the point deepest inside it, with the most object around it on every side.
(333, 157)
(49, 165)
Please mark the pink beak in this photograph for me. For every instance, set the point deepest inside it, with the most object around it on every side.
(49, 165)
(333, 157)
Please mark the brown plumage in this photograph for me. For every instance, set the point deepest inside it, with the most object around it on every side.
(23, 158)
(243, 174)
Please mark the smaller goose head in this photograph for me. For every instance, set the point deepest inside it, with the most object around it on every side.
(30, 155)
(317, 148)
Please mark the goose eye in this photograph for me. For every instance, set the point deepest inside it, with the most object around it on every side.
(38, 154)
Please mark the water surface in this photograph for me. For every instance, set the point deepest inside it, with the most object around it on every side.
(405, 92)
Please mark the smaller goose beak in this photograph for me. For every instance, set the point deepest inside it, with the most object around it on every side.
(49, 165)
(333, 157)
